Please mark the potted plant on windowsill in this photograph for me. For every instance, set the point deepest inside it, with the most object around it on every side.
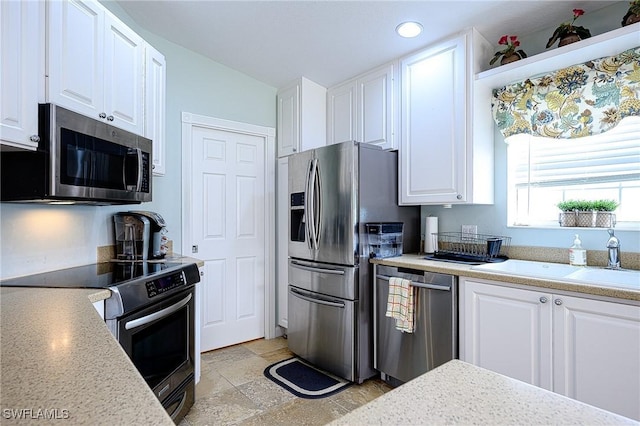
(567, 32)
(584, 213)
(633, 14)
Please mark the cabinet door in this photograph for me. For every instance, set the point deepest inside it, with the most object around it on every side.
(282, 240)
(375, 107)
(123, 76)
(597, 353)
(508, 331)
(341, 113)
(21, 71)
(75, 60)
(433, 117)
(288, 120)
(155, 106)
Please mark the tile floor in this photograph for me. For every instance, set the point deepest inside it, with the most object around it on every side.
(234, 391)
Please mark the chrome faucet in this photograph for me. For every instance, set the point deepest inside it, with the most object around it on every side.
(613, 245)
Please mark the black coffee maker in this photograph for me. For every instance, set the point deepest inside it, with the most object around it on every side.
(140, 235)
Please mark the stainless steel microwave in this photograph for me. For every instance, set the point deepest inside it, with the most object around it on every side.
(78, 160)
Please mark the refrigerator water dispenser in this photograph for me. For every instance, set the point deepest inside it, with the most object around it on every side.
(384, 239)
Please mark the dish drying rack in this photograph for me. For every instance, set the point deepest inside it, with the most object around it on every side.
(470, 248)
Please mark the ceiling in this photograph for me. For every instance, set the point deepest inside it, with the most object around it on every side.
(330, 41)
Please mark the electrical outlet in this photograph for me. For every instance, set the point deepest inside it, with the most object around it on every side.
(470, 230)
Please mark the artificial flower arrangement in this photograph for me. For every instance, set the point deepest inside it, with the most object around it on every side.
(569, 29)
(511, 42)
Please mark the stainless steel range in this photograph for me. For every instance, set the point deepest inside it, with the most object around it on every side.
(151, 312)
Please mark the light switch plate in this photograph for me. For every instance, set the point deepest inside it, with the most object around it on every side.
(470, 230)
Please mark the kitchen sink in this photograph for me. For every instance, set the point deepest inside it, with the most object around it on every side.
(622, 278)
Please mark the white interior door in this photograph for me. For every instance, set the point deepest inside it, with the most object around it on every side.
(227, 217)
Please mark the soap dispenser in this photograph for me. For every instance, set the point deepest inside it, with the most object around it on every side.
(577, 255)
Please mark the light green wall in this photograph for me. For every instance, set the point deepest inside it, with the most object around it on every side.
(493, 219)
(41, 238)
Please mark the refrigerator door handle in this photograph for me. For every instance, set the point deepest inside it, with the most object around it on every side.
(310, 268)
(317, 205)
(314, 300)
(312, 192)
(308, 206)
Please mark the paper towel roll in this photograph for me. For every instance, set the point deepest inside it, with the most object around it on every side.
(431, 227)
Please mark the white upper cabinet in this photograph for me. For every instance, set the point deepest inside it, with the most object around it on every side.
(364, 109)
(443, 159)
(95, 64)
(155, 109)
(301, 121)
(21, 72)
(341, 113)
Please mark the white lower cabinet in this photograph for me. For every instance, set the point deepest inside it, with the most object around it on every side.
(582, 348)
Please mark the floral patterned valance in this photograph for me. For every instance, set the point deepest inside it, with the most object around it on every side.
(580, 100)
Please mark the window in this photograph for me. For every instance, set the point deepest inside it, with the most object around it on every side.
(544, 171)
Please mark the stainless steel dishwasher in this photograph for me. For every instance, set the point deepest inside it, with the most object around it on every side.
(400, 356)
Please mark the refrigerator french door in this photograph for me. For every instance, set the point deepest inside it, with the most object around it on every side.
(334, 191)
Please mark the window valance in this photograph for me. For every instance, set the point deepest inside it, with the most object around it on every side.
(580, 100)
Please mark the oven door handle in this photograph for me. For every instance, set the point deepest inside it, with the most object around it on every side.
(138, 322)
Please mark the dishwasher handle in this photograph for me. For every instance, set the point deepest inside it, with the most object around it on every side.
(420, 285)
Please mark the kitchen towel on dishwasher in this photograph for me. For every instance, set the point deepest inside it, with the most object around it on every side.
(400, 303)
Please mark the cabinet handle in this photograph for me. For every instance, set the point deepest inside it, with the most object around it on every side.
(459, 197)
(34, 138)
(110, 118)
(543, 299)
(558, 302)
(294, 149)
(102, 115)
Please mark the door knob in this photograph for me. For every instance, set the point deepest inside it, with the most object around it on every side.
(34, 138)
(543, 299)
(102, 115)
(558, 302)
(110, 118)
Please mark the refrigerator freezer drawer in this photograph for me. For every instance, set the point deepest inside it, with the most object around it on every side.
(322, 331)
(332, 280)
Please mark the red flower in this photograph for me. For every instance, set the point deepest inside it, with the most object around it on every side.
(503, 39)
(578, 12)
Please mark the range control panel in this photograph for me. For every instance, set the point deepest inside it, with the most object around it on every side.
(164, 284)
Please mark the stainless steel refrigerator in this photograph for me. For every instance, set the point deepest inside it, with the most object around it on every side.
(333, 192)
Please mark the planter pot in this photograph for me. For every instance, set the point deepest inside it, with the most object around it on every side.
(586, 219)
(511, 58)
(568, 39)
(567, 219)
(605, 220)
(630, 18)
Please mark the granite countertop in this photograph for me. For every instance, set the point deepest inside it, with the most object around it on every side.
(415, 261)
(461, 393)
(58, 360)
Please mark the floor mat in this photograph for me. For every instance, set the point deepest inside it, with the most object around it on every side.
(304, 380)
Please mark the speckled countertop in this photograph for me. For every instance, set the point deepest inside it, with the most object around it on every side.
(461, 393)
(56, 354)
(416, 261)
(58, 360)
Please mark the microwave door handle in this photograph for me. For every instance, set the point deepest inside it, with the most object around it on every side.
(139, 176)
(138, 185)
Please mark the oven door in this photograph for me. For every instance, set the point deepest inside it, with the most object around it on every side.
(159, 340)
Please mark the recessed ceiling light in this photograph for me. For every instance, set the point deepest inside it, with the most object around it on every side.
(409, 29)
